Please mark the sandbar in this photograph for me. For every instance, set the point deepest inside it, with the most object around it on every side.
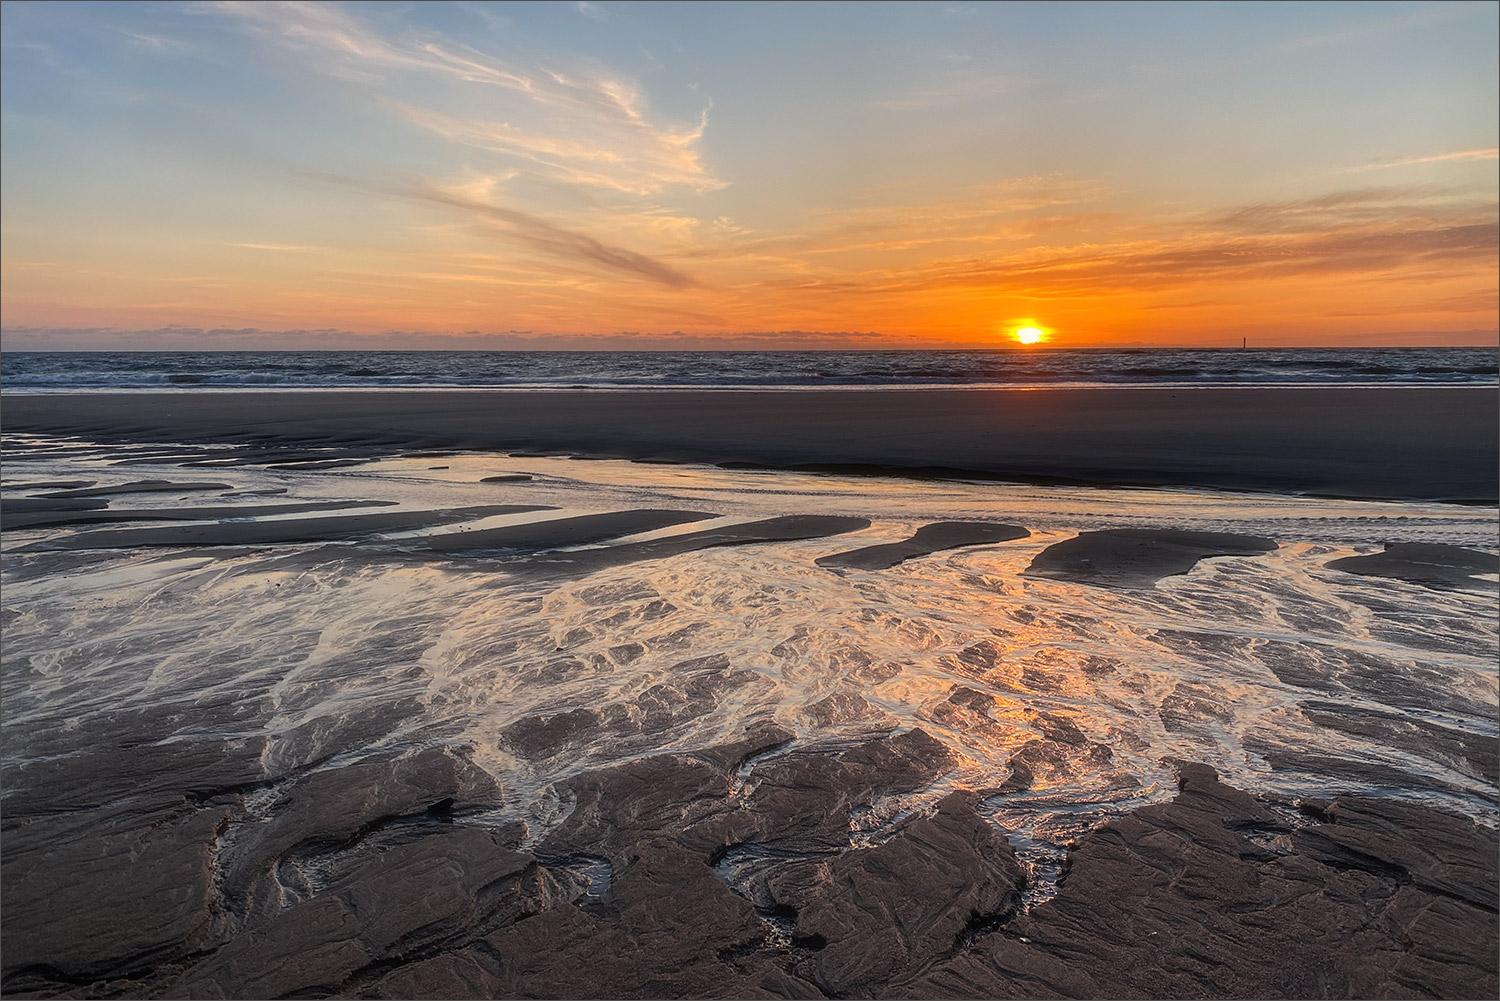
(1373, 443)
(47, 505)
(558, 533)
(40, 516)
(789, 528)
(138, 487)
(1138, 557)
(48, 485)
(1430, 564)
(259, 533)
(924, 541)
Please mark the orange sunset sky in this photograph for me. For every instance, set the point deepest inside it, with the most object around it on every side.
(225, 175)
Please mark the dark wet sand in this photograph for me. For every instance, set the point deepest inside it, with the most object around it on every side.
(37, 517)
(48, 485)
(670, 873)
(26, 506)
(788, 528)
(139, 487)
(925, 541)
(1429, 564)
(260, 533)
(558, 533)
(1138, 557)
(1396, 443)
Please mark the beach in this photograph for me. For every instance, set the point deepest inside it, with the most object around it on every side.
(852, 693)
(834, 501)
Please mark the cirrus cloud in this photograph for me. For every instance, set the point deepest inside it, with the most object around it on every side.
(564, 124)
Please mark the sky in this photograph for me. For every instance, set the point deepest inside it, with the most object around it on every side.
(845, 175)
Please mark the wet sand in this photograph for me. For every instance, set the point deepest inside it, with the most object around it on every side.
(486, 763)
(677, 876)
(1133, 557)
(925, 541)
(137, 487)
(25, 513)
(1423, 563)
(259, 533)
(1394, 443)
(558, 533)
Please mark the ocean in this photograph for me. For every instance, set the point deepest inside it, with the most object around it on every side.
(1166, 367)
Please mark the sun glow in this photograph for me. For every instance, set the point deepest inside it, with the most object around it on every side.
(1030, 335)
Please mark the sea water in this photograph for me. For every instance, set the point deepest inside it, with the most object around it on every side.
(1184, 367)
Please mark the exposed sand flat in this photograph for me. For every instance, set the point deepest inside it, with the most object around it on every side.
(30, 453)
(140, 487)
(1138, 557)
(39, 505)
(1429, 564)
(48, 485)
(230, 457)
(309, 466)
(561, 532)
(46, 516)
(256, 533)
(162, 458)
(926, 540)
(1397, 443)
(217, 458)
(790, 528)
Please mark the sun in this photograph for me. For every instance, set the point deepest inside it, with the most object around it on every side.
(1030, 335)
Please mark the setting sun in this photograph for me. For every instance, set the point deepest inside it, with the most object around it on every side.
(1030, 335)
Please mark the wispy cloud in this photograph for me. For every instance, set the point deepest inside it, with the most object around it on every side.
(522, 227)
(1008, 210)
(1461, 156)
(1479, 301)
(296, 248)
(1369, 232)
(1155, 266)
(563, 243)
(634, 168)
(162, 43)
(38, 338)
(1011, 196)
(1338, 208)
(1355, 30)
(969, 87)
(569, 125)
